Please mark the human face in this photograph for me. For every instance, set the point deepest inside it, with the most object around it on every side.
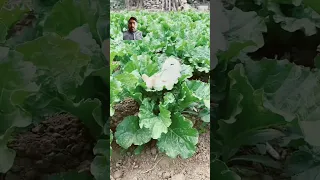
(132, 25)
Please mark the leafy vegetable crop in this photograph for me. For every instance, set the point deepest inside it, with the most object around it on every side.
(163, 114)
(264, 104)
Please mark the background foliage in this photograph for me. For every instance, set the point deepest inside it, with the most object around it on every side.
(265, 90)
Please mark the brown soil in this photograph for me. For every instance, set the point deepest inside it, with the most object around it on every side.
(58, 144)
(152, 165)
(125, 108)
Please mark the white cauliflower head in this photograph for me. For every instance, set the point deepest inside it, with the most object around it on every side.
(167, 77)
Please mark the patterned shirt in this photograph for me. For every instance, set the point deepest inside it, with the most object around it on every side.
(127, 35)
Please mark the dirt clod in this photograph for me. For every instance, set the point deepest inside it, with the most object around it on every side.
(118, 174)
(166, 175)
(127, 107)
(154, 151)
(178, 177)
(60, 143)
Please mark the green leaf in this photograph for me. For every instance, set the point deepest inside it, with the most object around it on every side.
(258, 159)
(200, 90)
(63, 62)
(101, 148)
(241, 25)
(312, 173)
(99, 168)
(257, 136)
(129, 81)
(115, 90)
(70, 12)
(83, 37)
(186, 72)
(205, 115)
(299, 162)
(139, 149)
(221, 171)
(310, 131)
(7, 157)
(291, 91)
(103, 22)
(128, 132)
(181, 138)
(113, 64)
(143, 64)
(156, 124)
(201, 58)
(301, 18)
(19, 73)
(168, 100)
(249, 108)
(186, 97)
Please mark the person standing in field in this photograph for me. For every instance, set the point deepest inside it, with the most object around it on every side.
(132, 33)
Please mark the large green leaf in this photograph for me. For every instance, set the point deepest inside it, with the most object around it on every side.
(299, 162)
(128, 81)
(250, 114)
(99, 168)
(258, 159)
(128, 132)
(200, 58)
(59, 61)
(312, 173)
(186, 97)
(157, 124)
(143, 64)
(300, 18)
(290, 91)
(186, 72)
(7, 158)
(101, 147)
(115, 90)
(221, 171)
(66, 15)
(241, 26)
(220, 42)
(89, 46)
(181, 138)
(200, 90)
(169, 100)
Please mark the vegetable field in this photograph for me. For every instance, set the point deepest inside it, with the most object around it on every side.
(170, 118)
(265, 90)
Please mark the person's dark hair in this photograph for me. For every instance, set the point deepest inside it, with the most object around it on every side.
(133, 18)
